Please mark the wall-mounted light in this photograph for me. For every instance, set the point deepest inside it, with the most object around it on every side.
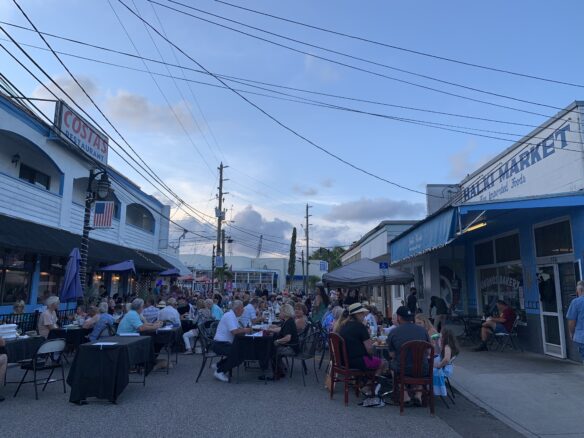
(475, 227)
(15, 159)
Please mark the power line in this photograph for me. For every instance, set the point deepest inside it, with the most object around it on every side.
(415, 52)
(277, 121)
(350, 66)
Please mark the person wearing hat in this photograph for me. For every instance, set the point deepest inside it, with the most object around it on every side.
(358, 342)
(405, 331)
(169, 312)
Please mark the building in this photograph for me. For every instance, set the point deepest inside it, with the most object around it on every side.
(43, 182)
(374, 245)
(248, 272)
(513, 232)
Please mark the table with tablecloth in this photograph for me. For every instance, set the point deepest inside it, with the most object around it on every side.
(254, 348)
(21, 348)
(74, 336)
(102, 371)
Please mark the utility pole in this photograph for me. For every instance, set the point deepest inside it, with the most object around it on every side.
(303, 274)
(307, 249)
(220, 214)
(213, 270)
(260, 246)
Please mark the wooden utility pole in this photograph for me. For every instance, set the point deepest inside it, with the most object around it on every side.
(307, 250)
(220, 214)
(213, 270)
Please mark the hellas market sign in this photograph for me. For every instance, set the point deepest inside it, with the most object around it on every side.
(78, 131)
(550, 161)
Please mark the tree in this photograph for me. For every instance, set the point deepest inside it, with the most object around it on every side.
(292, 257)
(333, 257)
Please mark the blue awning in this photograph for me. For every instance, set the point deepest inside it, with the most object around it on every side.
(432, 233)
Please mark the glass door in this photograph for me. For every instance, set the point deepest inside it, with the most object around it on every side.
(552, 321)
(569, 275)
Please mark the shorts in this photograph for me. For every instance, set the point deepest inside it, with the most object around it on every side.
(580, 348)
(372, 363)
(500, 328)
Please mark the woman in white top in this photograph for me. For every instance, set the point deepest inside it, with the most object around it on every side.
(48, 319)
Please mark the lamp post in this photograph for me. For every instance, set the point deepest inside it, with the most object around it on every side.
(95, 190)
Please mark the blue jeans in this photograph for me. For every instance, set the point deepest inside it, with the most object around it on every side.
(580, 349)
(500, 328)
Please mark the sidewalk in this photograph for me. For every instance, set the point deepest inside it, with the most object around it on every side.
(534, 394)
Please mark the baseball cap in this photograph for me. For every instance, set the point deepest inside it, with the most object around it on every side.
(404, 312)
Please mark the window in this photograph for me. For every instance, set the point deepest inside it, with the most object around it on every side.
(484, 254)
(507, 248)
(140, 217)
(15, 276)
(553, 239)
(35, 177)
(51, 277)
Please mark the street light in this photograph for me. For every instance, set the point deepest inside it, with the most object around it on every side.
(95, 191)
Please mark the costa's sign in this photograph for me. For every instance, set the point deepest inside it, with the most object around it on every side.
(78, 131)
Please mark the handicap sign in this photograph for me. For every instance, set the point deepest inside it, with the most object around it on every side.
(383, 265)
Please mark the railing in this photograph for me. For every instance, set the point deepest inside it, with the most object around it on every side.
(24, 200)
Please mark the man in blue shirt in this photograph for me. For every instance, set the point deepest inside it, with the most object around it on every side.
(132, 323)
(575, 318)
(105, 319)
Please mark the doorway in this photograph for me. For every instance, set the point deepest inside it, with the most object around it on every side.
(552, 319)
(569, 274)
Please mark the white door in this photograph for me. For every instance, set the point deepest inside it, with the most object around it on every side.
(552, 320)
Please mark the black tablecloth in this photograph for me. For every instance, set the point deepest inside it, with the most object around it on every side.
(103, 371)
(73, 336)
(163, 338)
(258, 348)
(21, 349)
(187, 324)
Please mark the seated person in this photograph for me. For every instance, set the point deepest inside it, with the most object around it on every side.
(285, 338)
(433, 334)
(169, 313)
(132, 323)
(223, 342)
(500, 324)
(92, 318)
(405, 331)
(249, 315)
(118, 312)
(80, 315)
(48, 319)
(216, 311)
(300, 318)
(442, 365)
(105, 319)
(18, 308)
(151, 312)
(358, 341)
(3, 363)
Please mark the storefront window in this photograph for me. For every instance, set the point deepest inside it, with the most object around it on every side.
(553, 239)
(507, 248)
(15, 276)
(484, 254)
(51, 277)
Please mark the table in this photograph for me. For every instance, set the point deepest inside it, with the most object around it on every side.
(22, 348)
(103, 371)
(254, 348)
(380, 349)
(74, 337)
(165, 339)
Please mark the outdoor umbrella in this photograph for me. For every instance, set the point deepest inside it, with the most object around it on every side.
(127, 265)
(173, 272)
(71, 289)
(365, 272)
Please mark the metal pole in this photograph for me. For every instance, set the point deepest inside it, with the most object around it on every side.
(84, 250)
(213, 270)
(307, 251)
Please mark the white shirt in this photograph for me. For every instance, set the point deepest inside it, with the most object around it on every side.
(249, 313)
(227, 323)
(169, 313)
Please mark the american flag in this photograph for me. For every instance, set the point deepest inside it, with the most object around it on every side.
(102, 216)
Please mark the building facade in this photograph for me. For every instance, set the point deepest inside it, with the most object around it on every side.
(43, 183)
(513, 232)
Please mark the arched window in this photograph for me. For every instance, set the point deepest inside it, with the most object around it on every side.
(139, 216)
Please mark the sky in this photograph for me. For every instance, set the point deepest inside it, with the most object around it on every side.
(184, 129)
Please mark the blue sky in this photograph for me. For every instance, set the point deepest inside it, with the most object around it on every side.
(272, 173)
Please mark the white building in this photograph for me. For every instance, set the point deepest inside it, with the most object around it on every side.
(43, 181)
(249, 272)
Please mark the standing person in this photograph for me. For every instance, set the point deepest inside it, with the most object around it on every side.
(320, 306)
(223, 342)
(3, 363)
(441, 312)
(412, 300)
(575, 318)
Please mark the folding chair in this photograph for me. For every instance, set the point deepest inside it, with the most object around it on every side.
(47, 357)
(508, 339)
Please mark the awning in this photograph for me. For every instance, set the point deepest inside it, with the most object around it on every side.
(28, 236)
(172, 272)
(178, 267)
(125, 266)
(365, 272)
(547, 201)
(431, 233)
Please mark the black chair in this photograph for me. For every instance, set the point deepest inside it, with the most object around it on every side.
(26, 322)
(307, 352)
(206, 341)
(47, 357)
(108, 330)
(511, 339)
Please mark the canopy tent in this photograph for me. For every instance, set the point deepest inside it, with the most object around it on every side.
(365, 272)
(125, 266)
(172, 272)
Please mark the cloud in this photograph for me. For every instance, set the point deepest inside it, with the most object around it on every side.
(320, 69)
(137, 112)
(465, 161)
(327, 183)
(366, 210)
(70, 88)
(306, 191)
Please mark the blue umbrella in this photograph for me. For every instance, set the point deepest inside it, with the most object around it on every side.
(71, 289)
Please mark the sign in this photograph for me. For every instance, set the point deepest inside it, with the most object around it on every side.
(218, 261)
(323, 266)
(383, 266)
(103, 214)
(74, 128)
(550, 161)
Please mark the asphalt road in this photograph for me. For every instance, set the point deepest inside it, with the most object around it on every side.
(174, 406)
